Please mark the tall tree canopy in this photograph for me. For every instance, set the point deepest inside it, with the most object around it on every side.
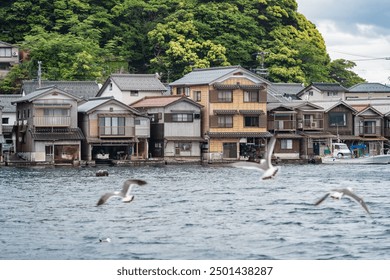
(89, 39)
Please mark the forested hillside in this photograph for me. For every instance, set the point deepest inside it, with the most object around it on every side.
(89, 39)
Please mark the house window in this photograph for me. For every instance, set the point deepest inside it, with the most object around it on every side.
(197, 95)
(337, 119)
(333, 93)
(180, 117)
(182, 147)
(112, 125)
(137, 122)
(5, 121)
(134, 93)
(369, 127)
(53, 112)
(225, 121)
(225, 96)
(286, 144)
(251, 96)
(183, 91)
(311, 93)
(251, 121)
(110, 87)
(5, 52)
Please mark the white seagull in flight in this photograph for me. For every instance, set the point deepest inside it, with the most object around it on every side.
(339, 193)
(264, 165)
(124, 193)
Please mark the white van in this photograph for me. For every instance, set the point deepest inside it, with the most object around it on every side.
(341, 150)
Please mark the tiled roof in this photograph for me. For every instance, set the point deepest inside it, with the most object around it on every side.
(40, 91)
(81, 89)
(5, 101)
(57, 134)
(369, 87)
(265, 134)
(329, 87)
(161, 101)
(140, 82)
(207, 76)
(96, 102)
(288, 88)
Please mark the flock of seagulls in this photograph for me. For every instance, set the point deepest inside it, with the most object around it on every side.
(265, 165)
(269, 172)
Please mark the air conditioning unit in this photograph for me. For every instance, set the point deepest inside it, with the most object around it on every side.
(313, 125)
(300, 125)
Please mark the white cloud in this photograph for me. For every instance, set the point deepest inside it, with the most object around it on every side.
(354, 30)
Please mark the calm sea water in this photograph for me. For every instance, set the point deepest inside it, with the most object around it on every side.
(194, 212)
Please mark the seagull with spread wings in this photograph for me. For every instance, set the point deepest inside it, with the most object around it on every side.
(124, 193)
(265, 165)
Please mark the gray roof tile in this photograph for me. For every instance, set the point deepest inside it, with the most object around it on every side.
(81, 89)
(140, 82)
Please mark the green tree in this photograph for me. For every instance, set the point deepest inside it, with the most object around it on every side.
(12, 83)
(65, 57)
(340, 72)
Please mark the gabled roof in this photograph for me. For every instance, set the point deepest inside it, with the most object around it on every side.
(369, 108)
(207, 76)
(81, 89)
(300, 104)
(6, 44)
(41, 92)
(162, 101)
(6, 101)
(324, 87)
(288, 88)
(369, 87)
(95, 103)
(329, 105)
(139, 82)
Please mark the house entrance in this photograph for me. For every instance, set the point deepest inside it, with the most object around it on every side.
(229, 150)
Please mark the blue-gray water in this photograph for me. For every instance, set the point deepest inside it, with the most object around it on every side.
(194, 212)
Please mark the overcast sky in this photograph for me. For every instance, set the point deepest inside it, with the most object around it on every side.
(357, 30)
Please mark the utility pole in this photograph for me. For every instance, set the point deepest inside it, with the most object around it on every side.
(39, 74)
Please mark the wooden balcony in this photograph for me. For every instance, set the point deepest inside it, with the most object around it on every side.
(370, 131)
(116, 131)
(52, 121)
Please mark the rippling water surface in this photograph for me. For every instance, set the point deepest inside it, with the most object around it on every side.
(194, 212)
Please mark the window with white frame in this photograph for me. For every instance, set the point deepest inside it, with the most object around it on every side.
(182, 117)
(286, 144)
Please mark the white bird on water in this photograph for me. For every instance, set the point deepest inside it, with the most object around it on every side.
(264, 165)
(339, 193)
(124, 193)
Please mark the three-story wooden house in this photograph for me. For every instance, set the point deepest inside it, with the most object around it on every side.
(234, 117)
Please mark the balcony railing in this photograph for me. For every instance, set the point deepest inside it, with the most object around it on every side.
(116, 131)
(284, 125)
(311, 124)
(47, 121)
(370, 130)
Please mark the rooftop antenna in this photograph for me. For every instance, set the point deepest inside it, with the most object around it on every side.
(39, 74)
(261, 70)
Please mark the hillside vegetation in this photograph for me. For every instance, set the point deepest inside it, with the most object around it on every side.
(90, 39)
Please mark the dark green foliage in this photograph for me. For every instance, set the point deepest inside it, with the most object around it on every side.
(90, 39)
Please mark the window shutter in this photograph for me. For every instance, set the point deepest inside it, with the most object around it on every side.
(213, 121)
(168, 117)
(213, 96)
(263, 121)
(263, 96)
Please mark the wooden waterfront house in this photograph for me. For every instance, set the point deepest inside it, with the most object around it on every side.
(234, 119)
(8, 120)
(129, 88)
(46, 127)
(282, 122)
(175, 126)
(113, 131)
